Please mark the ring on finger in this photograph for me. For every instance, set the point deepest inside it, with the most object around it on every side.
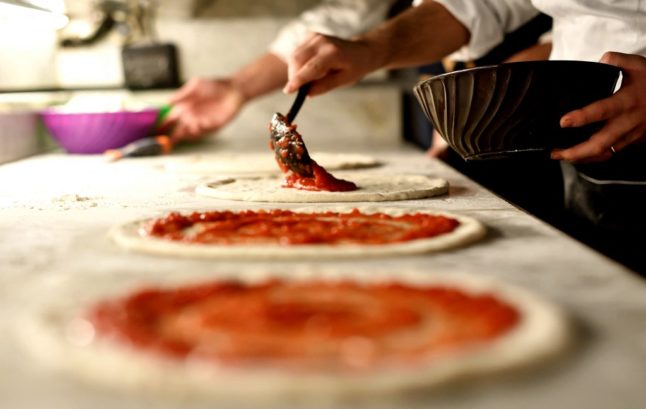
(612, 150)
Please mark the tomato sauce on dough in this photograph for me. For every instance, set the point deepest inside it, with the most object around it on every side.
(295, 228)
(305, 325)
(321, 180)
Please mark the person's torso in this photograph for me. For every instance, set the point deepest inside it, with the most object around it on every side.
(585, 29)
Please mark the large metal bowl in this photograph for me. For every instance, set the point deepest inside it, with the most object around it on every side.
(495, 111)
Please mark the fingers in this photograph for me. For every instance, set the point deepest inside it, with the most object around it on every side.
(621, 60)
(179, 132)
(637, 135)
(202, 106)
(328, 83)
(313, 70)
(310, 62)
(624, 114)
(566, 154)
(324, 62)
(301, 55)
(597, 146)
(558, 154)
(183, 125)
(177, 123)
(186, 91)
(187, 129)
(595, 112)
(622, 101)
(330, 62)
(600, 145)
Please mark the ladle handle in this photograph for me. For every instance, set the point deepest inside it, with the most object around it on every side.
(298, 102)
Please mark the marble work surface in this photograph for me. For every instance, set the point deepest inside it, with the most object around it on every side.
(56, 209)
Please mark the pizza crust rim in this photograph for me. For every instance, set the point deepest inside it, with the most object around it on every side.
(418, 187)
(543, 333)
(470, 230)
(246, 163)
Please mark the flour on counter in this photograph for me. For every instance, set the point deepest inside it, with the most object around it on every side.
(74, 201)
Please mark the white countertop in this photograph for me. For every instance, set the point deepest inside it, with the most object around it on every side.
(56, 209)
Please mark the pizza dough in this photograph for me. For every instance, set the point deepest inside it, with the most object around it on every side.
(56, 333)
(372, 187)
(260, 163)
(131, 236)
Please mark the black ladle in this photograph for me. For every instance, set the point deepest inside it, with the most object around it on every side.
(298, 102)
(287, 143)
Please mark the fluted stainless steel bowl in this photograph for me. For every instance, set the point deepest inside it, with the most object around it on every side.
(495, 111)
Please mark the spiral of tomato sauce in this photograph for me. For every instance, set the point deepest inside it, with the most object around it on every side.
(304, 325)
(297, 228)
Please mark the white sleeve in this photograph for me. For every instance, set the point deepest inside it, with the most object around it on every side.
(488, 21)
(340, 18)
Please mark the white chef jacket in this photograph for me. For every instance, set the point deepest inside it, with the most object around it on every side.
(582, 30)
(340, 18)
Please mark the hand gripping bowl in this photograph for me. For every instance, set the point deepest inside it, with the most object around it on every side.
(495, 111)
(95, 132)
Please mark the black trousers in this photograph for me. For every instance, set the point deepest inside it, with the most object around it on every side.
(534, 183)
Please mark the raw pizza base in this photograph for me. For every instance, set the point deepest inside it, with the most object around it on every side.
(54, 333)
(469, 230)
(372, 187)
(261, 163)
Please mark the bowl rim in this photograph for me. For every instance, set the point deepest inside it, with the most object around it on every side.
(518, 63)
(54, 111)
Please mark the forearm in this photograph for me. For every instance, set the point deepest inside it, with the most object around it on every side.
(264, 75)
(418, 36)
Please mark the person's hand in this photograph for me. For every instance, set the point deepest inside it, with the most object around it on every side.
(330, 62)
(439, 148)
(202, 106)
(624, 113)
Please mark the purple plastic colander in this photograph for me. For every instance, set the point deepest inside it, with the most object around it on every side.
(98, 131)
